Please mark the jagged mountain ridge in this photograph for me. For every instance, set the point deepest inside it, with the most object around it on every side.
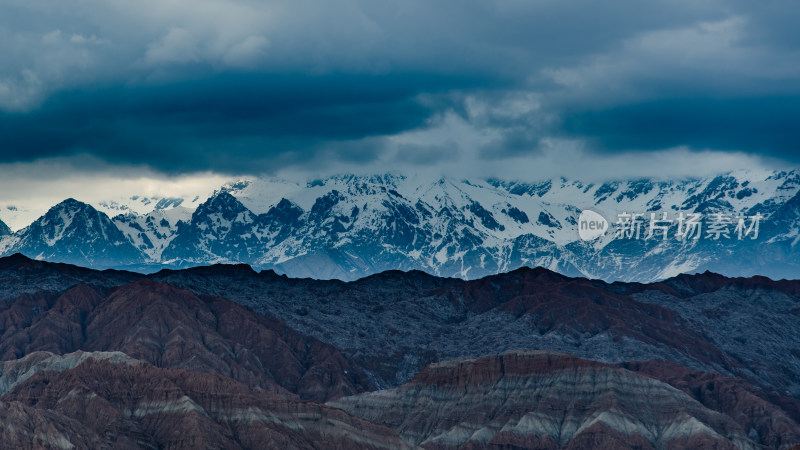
(348, 227)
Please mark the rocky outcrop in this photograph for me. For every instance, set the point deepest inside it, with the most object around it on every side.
(541, 399)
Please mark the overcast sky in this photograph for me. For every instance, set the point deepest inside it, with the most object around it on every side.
(192, 91)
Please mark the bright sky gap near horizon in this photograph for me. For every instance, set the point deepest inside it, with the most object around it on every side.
(145, 97)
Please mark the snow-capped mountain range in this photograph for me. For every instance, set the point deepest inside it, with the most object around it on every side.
(350, 226)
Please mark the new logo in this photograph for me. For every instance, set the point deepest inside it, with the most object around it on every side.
(591, 225)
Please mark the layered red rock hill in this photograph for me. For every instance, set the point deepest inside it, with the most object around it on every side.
(770, 419)
(174, 328)
(545, 400)
(108, 400)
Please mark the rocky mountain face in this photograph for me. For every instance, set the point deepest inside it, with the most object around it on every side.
(225, 356)
(348, 227)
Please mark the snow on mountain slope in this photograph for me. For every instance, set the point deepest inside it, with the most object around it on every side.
(351, 226)
(504, 219)
(152, 232)
(546, 209)
(76, 233)
(220, 231)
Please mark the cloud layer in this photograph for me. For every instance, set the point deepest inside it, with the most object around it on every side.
(246, 86)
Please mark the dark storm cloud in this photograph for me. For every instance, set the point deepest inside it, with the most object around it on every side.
(224, 123)
(242, 86)
(768, 125)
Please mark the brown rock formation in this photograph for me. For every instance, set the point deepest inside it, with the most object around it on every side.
(171, 327)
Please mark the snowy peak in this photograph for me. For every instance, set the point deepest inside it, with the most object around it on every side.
(471, 228)
(351, 226)
(60, 221)
(220, 230)
(76, 233)
(222, 202)
(220, 213)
